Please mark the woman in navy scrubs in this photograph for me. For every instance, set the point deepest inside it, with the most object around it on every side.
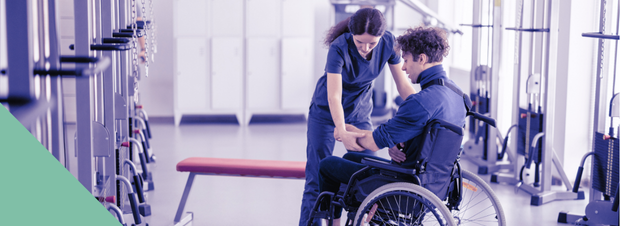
(359, 48)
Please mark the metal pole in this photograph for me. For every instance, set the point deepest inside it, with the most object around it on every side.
(19, 47)
(57, 120)
(599, 97)
(517, 85)
(475, 60)
(84, 96)
(109, 94)
(549, 56)
(494, 80)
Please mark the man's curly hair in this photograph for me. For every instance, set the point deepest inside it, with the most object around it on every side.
(431, 41)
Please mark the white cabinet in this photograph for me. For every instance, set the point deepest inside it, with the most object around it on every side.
(243, 57)
(208, 57)
(297, 18)
(227, 73)
(191, 74)
(296, 73)
(297, 55)
(263, 74)
(262, 18)
(189, 13)
(226, 18)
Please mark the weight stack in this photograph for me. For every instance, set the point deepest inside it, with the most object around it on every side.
(605, 165)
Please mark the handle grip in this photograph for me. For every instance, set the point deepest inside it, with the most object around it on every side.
(115, 40)
(78, 59)
(148, 129)
(145, 171)
(578, 179)
(111, 47)
(137, 183)
(146, 140)
(127, 33)
(138, 31)
(145, 151)
(528, 29)
(475, 25)
(599, 35)
(487, 120)
(134, 208)
(102, 64)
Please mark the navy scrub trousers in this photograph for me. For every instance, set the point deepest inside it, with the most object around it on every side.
(320, 146)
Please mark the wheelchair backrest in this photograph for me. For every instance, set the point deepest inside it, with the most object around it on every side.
(434, 153)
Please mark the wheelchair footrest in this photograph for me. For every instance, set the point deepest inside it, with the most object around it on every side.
(323, 214)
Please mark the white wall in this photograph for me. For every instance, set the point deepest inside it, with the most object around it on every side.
(156, 91)
(405, 17)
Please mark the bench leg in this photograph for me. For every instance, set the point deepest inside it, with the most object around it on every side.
(188, 187)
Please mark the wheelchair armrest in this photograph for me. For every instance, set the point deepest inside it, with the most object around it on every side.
(485, 119)
(387, 166)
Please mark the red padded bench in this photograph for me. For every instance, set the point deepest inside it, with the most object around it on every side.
(234, 167)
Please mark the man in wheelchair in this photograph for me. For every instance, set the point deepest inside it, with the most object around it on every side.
(439, 105)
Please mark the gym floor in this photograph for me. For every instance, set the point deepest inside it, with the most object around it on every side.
(224, 200)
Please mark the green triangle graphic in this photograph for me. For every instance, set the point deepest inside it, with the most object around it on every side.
(36, 189)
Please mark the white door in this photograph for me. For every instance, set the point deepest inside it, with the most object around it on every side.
(192, 73)
(262, 18)
(190, 19)
(227, 18)
(297, 61)
(297, 18)
(227, 73)
(263, 76)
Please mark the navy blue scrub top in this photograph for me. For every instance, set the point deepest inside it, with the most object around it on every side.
(358, 75)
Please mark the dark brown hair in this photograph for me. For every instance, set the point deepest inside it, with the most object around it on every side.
(365, 20)
(431, 41)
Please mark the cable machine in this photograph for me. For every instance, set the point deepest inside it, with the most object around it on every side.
(602, 208)
(535, 131)
(482, 147)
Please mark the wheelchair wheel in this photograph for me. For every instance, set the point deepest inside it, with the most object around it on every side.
(402, 204)
(479, 205)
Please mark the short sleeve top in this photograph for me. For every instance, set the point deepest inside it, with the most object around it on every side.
(357, 73)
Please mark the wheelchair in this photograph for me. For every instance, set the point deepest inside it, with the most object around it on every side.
(435, 191)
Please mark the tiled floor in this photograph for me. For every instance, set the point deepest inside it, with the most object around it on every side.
(222, 200)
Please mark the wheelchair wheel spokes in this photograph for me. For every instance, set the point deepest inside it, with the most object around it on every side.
(402, 204)
(479, 205)
(388, 214)
(401, 208)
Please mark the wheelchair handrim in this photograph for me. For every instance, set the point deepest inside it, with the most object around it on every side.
(430, 204)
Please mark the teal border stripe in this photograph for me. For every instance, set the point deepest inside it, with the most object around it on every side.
(36, 189)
